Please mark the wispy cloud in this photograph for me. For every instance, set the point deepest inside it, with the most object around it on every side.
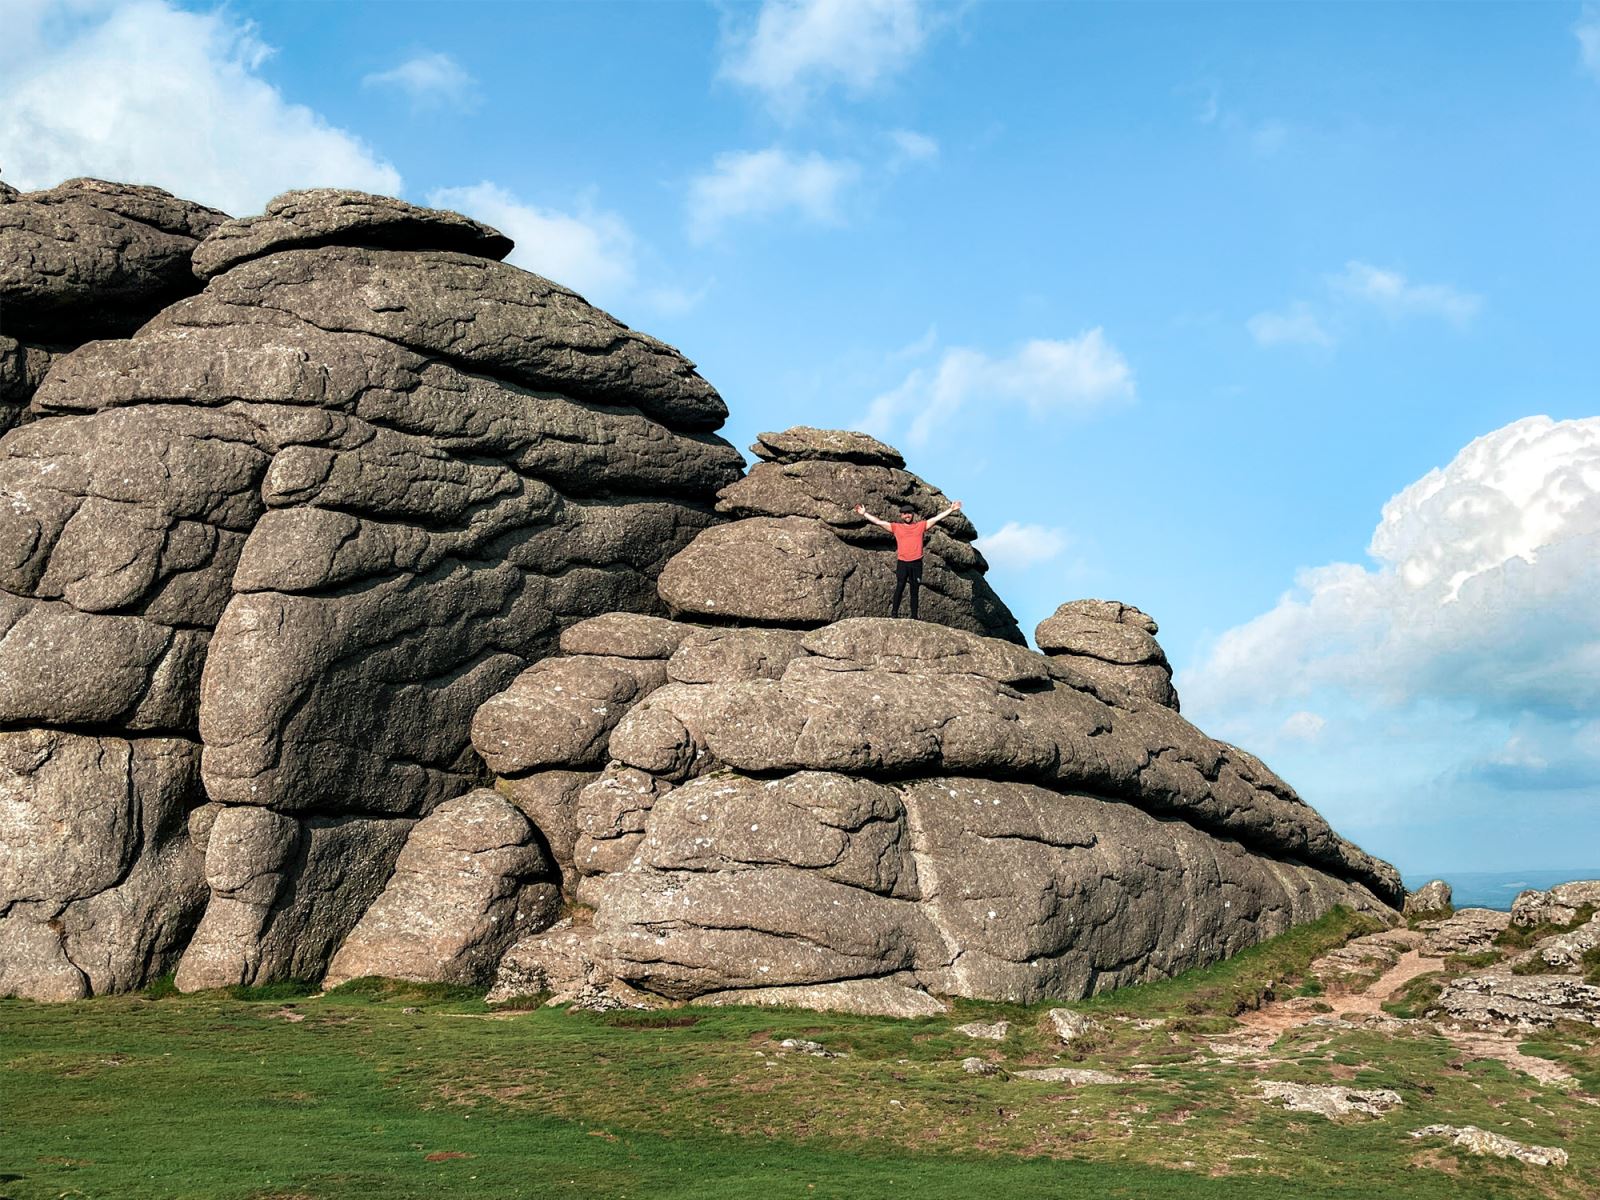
(1303, 726)
(1392, 294)
(753, 184)
(796, 49)
(1045, 375)
(911, 147)
(430, 81)
(176, 100)
(1361, 287)
(1587, 31)
(1296, 325)
(1017, 546)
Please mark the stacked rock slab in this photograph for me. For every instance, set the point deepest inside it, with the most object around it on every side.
(1113, 644)
(798, 556)
(276, 548)
(83, 260)
(875, 813)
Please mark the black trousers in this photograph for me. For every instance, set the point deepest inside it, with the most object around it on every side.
(904, 573)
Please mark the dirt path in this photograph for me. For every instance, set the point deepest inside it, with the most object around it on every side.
(1260, 1030)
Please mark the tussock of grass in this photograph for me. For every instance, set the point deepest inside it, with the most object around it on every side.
(374, 989)
(1419, 997)
(282, 989)
(1273, 968)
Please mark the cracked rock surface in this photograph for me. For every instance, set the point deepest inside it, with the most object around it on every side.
(877, 813)
(302, 524)
(82, 260)
(797, 555)
(344, 517)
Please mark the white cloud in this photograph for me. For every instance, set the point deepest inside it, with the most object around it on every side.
(911, 147)
(1296, 325)
(149, 93)
(1015, 546)
(1303, 726)
(1046, 375)
(1392, 294)
(1360, 286)
(589, 251)
(796, 49)
(1587, 31)
(1481, 592)
(764, 183)
(430, 80)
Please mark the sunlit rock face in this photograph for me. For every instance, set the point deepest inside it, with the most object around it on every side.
(370, 606)
(875, 813)
(288, 536)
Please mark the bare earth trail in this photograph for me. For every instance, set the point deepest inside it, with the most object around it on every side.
(1261, 1028)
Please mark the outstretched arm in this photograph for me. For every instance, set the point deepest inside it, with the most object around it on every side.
(954, 508)
(861, 511)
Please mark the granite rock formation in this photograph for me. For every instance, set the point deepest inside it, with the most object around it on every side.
(797, 555)
(876, 812)
(1113, 644)
(1549, 982)
(82, 260)
(343, 518)
(286, 538)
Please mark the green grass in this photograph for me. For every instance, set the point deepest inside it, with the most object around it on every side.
(1274, 968)
(397, 1090)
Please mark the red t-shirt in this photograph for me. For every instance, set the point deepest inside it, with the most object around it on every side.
(908, 540)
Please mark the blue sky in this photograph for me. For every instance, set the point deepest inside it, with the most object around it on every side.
(1185, 301)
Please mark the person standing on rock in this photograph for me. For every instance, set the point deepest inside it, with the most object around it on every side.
(909, 534)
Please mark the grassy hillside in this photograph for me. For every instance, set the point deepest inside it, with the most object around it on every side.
(398, 1091)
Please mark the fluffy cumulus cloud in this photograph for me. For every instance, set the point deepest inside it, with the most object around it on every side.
(793, 50)
(430, 80)
(1016, 546)
(1045, 376)
(1481, 588)
(754, 184)
(148, 92)
(1458, 668)
(589, 251)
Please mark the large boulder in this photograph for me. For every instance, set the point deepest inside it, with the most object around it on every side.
(310, 519)
(470, 880)
(1113, 644)
(100, 886)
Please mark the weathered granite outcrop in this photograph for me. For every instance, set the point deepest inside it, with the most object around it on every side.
(306, 522)
(1432, 897)
(798, 555)
(1559, 905)
(1113, 644)
(893, 810)
(100, 886)
(1552, 981)
(471, 879)
(82, 260)
(292, 564)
